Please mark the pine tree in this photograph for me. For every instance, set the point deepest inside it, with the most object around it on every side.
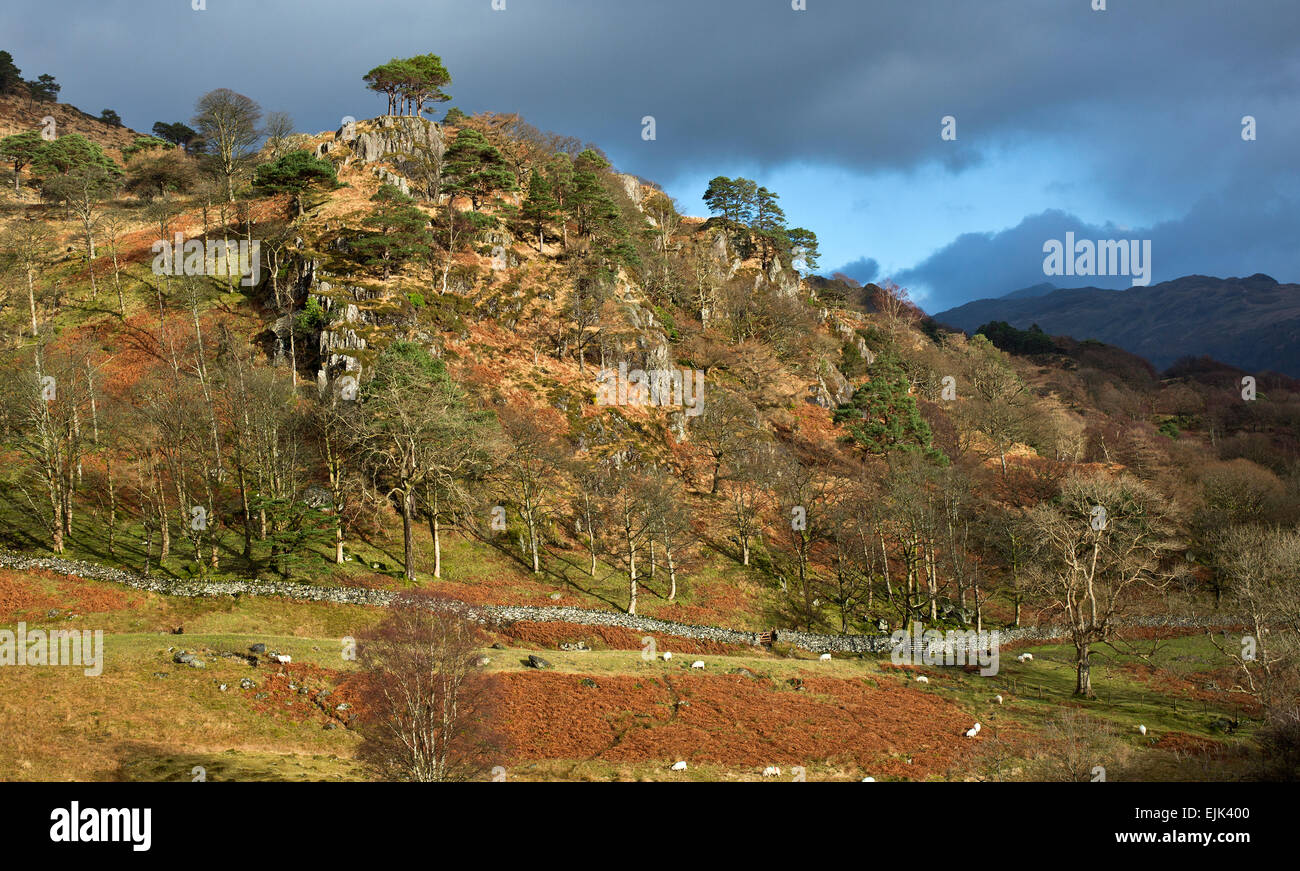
(387, 79)
(70, 152)
(475, 168)
(44, 88)
(398, 232)
(540, 208)
(294, 173)
(21, 150)
(803, 247)
(10, 76)
(769, 224)
(425, 80)
(882, 416)
(559, 176)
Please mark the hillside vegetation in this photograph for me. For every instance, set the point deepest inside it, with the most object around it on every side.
(470, 357)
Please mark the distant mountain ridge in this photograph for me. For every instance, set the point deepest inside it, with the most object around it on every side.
(1253, 322)
(1035, 290)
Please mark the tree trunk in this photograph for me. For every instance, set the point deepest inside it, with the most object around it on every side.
(672, 571)
(1083, 673)
(245, 511)
(31, 301)
(112, 508)
(532, 544)
(437, 547)
(631, 554)
(408, 552)
(117, 282)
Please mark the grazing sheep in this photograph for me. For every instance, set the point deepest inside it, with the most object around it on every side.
(283, 659)
(667, 656)
(1142, 729)
(920, 678)
(997, 699)
(771, 771)
(699, 663)
(825, 657)
(973, 731)
(977, 728)
(1025, 657)
(868, 780)
(679, 766)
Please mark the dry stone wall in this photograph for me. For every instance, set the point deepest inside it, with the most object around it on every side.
(504, 615)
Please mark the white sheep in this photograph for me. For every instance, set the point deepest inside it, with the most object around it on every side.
(679, 765)
(699, 663)
(997, 699)
(283, 659)
(973, 731)
(1142, 729)
(920, 678)
(977, 728)
(825, 657)
(667, 655)
(771, 771)
(868, 780)
(1025, 657)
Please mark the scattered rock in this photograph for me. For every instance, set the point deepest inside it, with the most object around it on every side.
(183, 658)
(497, 645)
(744, 672)
(246, 684)
(198, 663)
(535, 661)
(257, 648)
(589, 683)
(162, 674)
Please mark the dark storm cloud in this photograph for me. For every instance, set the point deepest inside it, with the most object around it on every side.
(1142, 102)
(1222, 235)
(863, 270)
(854, 83)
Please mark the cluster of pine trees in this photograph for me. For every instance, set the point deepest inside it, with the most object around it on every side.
(756, 223)
(409, 83)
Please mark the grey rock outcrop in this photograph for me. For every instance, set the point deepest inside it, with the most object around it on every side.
(387, 136)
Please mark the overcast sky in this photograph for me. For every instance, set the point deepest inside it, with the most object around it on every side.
(1124, 123)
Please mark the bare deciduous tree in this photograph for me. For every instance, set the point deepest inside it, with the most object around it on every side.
(428, 706)
(1096, 546)
(228, 120)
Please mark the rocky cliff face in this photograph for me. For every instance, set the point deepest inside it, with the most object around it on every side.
(384, 138)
